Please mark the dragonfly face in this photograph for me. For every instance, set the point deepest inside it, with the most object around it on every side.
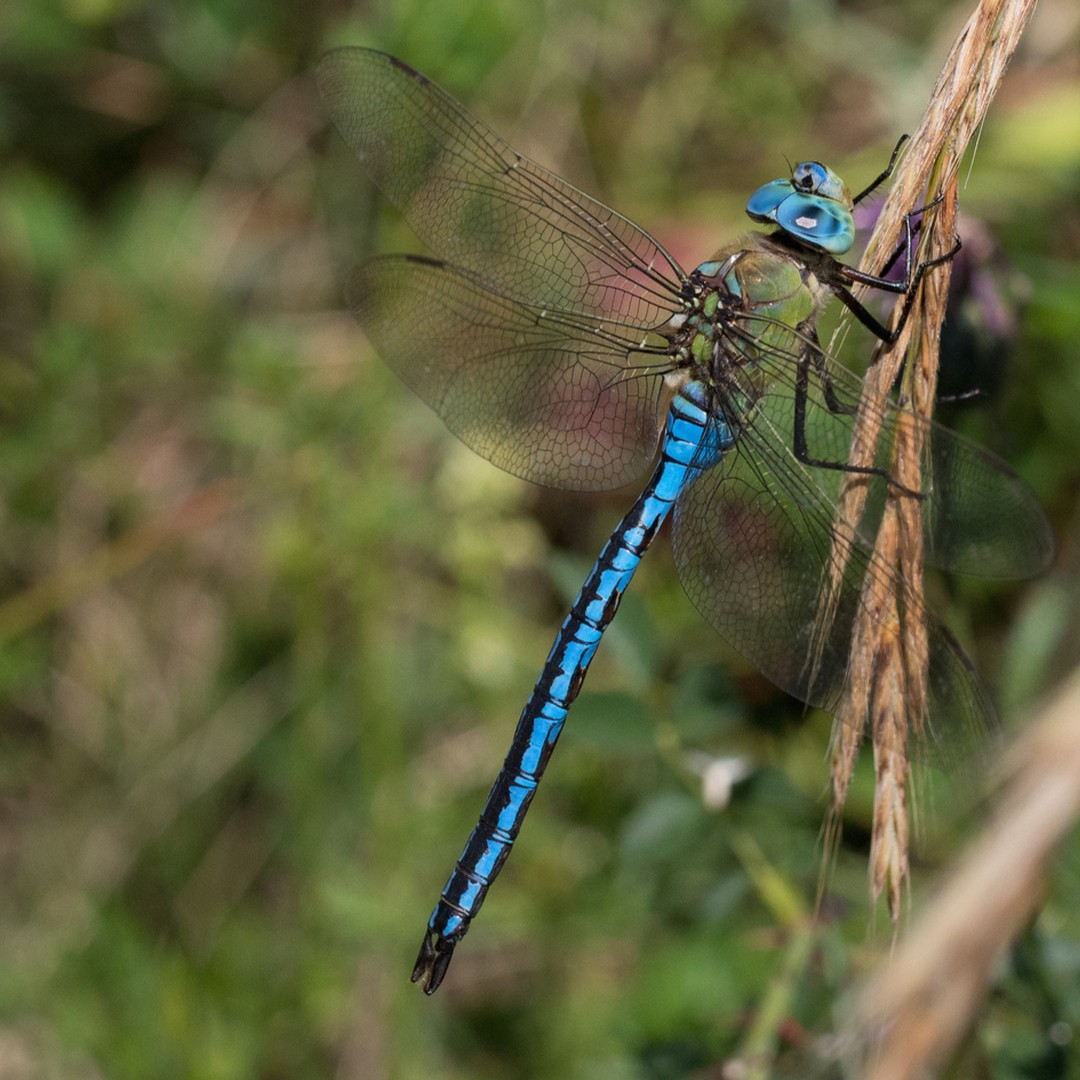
(813, 205)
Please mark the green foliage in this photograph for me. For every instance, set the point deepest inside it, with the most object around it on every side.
(265, 628)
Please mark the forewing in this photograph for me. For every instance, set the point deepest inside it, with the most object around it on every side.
(508, 222)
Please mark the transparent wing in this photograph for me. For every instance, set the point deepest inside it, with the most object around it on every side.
(542, 396)
(506, 221)
(756, 538)
(979, 517)
(754, 546)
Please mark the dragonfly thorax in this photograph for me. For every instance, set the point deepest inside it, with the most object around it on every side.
(746, 302)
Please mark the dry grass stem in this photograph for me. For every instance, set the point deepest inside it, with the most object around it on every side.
(919, 1007)
(889, 662)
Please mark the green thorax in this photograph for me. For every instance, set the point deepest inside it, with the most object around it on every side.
(757, 297)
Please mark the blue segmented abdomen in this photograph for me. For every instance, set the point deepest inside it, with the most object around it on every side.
(691, 443)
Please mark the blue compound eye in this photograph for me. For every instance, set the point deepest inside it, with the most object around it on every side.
(814, 206)
(817, 221)
(763, 203)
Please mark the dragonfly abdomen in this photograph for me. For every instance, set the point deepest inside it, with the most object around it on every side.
(691, 443)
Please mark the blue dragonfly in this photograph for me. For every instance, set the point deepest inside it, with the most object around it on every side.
(564, 344)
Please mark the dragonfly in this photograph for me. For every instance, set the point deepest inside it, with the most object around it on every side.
(565, 345)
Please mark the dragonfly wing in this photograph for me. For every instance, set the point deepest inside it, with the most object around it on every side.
(979, 517)
(754, 545)
(552, 400)
(480, 205)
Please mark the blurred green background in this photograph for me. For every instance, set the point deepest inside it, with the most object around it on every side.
(266, 627)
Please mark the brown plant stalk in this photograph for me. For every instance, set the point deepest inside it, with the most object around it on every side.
(886, 690)
(917, 1009)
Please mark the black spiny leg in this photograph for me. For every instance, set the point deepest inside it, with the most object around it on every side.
(836, 406)
(874, 185)
(908, 287)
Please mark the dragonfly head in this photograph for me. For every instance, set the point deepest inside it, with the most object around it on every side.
(814, 206)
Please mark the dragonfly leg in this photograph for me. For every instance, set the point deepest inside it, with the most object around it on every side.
(908, 287)
(832, 401)
(875, 184)
(902, 247)
(835, 405)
